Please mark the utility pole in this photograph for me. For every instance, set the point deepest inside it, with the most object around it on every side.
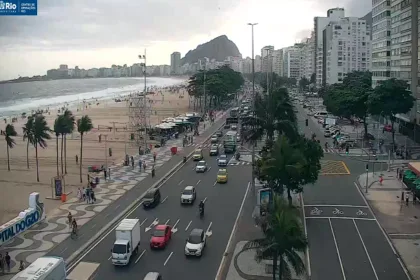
(106, 153)
(204, 89)
(253, 104)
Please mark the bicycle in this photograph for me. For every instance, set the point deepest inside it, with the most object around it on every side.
(73, 233)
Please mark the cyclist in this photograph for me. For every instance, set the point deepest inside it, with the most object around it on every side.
(201, 207)
(74, 226)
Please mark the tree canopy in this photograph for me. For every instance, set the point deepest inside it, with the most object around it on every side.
(219, 84)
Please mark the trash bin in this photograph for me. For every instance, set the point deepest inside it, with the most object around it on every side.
(63, 197)
(174, 150)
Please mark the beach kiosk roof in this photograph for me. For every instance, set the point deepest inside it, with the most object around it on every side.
(415, 167)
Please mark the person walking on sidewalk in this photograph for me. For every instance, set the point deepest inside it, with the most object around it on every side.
(1, 264)
(109, 173)
(154, 156)
(105, 176)
(7, 260)
(132, 162)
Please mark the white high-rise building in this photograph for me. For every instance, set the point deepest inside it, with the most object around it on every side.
(319, 25)
(293, 61)
(176, 63)
(257, 63)
(381, 41)
(267, 57)
(246, 65)
(309, 57)
(346, 48)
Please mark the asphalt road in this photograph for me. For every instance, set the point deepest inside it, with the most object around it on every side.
(223, 202)
(345, 240)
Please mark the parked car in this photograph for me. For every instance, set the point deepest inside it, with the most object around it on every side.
(327, 133)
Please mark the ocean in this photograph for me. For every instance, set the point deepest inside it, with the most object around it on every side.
(16, 98)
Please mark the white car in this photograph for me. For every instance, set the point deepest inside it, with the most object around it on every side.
(195, 243)
(222, 160)
(201, 166)
(188, 195)
(234, 127)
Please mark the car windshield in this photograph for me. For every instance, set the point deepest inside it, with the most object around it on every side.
(119, 249)
(194, 239)
(197, 152)
(159, 233)
(222, 172)
(187, 192)
(223, 157)
(201, 163)
(214, 147)
(149, 195)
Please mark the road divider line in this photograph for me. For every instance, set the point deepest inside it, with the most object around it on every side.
(214, 184)
(188, 225)
(198, 182)
(141, 255)
(336, 248)
(170, 255)
(366, 251)
(109, 257)
(218, 276)
(118, 206)
(164, 199)
(209, 169)
(209, 227)
(205, 199)
(142, 223)
(180, 182)
(154, 223)
(167, 222)
(93, 226)
(176, 223)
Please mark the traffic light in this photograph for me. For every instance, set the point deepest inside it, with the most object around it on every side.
(347, 150)
(306, 122)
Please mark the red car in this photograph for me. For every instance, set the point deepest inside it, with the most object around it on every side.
(160, 237)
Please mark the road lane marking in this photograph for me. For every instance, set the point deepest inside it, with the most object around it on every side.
(164, 200)
(209, 232)
(141, 255)
(209, 227)
(107, 215)
(383, 232)
(198, 182)
(342, 218)
(65, 249)
(214, 184)
(167, 222)
(231, 234)
(109, 257)
(205, 199)
(93, 226)
(188, 225)
(118, 206)
(353, 206)
(209, 169)
(338, 252)
(154, 223)
(182, 181)
(308, 261)
(176, 223)
(366, 251)
(170, 255)
(142, 223)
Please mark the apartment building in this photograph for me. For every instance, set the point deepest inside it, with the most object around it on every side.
(319, 25)
(257, 63)
(346, 48)
(267, 58)
(278, 62)
(176, 63)
(381, 41)
(292, 61)
(308, 52)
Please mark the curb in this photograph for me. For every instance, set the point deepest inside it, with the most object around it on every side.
(74, 259)
(388, 238)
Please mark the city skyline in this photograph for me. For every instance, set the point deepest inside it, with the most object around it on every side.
(61, 33)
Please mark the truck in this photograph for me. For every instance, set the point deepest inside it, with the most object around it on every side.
(44, 268)
(84, 271)
(229, 142)
(127, 241)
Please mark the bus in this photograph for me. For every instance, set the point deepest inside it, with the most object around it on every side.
(234, 112)
(44, 268)
(229, 142)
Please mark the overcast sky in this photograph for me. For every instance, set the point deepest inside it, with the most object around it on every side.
(105, 32)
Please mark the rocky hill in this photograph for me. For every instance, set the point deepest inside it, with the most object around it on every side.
(219, 48)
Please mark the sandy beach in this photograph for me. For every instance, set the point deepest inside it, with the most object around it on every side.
(17, 184)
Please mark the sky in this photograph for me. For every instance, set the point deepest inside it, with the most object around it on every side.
(105, 32)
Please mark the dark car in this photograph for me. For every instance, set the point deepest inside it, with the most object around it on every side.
(152, 198)
(219, 133)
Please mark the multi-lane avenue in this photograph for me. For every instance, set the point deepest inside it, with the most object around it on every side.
(222, 204)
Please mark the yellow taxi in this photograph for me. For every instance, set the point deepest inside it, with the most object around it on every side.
(222, 176)
(198, 154)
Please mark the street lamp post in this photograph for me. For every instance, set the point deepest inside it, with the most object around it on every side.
(253, 99)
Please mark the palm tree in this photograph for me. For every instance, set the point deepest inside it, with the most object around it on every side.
(283, 238)
(58, 130)
(84, 125)
(41, 133)
(69, 121)
(10, 142)
(28, 136)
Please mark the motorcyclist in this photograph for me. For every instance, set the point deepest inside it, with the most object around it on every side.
(201, 206)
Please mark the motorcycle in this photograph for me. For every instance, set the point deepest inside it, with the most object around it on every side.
(237, 156)
(184, 160)
(201, 211)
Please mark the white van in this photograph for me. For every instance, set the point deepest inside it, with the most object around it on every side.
(44, 268)
(321, 114)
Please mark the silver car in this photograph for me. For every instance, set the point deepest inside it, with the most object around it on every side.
(222, 160)
(201, 166)
(188, 195)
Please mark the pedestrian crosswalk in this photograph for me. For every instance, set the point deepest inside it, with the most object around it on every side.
(236, 163)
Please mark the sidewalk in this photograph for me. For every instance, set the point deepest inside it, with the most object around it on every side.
(44, 236)
(399, 220)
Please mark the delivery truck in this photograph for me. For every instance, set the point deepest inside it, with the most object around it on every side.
(84, 271)
(44, 268)
(127, 241)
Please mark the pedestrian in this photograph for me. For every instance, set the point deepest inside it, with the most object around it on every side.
(92, 196)
(153, 171)
(79, 194)
(109, 173)
(21, 265)
(1, 263)
(132, 162)
(144, 165)
(77, 159)
(140, 162)
(105, 174)
(154, 156)
(84, 193)
(7, 259)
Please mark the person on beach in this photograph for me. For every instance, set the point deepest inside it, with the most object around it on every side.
(84, 194)
(109, 173)
(7, 260)
(140, 162)
(77, 159)
(105, 176)
(132, 162)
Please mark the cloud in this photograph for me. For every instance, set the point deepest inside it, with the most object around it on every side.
(80, 24)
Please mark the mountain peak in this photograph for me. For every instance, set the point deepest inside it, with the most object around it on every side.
(218, 48)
